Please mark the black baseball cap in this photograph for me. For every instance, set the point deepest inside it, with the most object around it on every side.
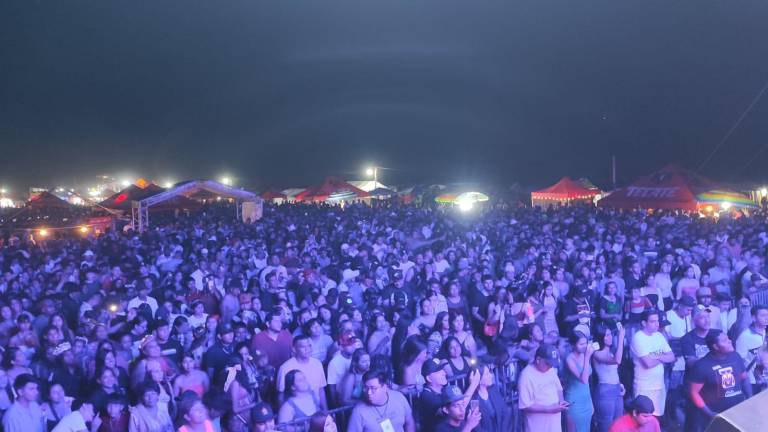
(451, 394)
(548, 353)
(432, 366)
(643, 404)
(262, 413)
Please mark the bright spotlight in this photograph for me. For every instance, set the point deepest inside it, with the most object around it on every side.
(764, 192)
(168, 184)
(227, 181)
(125, 183)
(83, 229)
(465, 206)
(43, 233)
(369, 172)
(4, 190)
(726, 205)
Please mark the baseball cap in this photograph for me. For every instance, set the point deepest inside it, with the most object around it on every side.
(262, 413)
(687, 301)
(643, 404)
(699, 309)
(432, 366)
(225, 328)
(548, 353)
(451, 394)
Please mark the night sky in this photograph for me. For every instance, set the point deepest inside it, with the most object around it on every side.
(285, 92)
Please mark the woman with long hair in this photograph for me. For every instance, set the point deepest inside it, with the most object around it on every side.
(191, 378)
(452, 352)
(301, 402)
(413, 357)
(743, 318)
(380, 337)
(57, 405)
(493, 408)
(548, 300)
(439, 332)
(146, 416)
(459, 331)
(15, 363)
(350, 387)
(609, 403)
(579, 418)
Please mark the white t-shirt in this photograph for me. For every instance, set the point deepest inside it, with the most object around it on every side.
(537, 388)
(72, 422)
(337, 367)
(677, 328)
(643, 345)
(312, 370)
(136, 302)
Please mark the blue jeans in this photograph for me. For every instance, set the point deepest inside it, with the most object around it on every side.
(609, 405)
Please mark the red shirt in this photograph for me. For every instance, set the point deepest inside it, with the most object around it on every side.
(627, 423)
(278, 351)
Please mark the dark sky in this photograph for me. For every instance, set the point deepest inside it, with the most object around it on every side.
(284, 92)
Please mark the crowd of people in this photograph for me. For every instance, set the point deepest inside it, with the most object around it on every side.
(385, 318)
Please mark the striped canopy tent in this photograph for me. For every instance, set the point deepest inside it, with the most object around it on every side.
(333, 190)
(463, 197)
(725, 198)
(564, 191)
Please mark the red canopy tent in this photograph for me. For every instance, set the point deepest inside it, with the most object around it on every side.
(333, 189)
(672, 187)
(123, 200)
(47, 200)
(272, 195)
(564, 191)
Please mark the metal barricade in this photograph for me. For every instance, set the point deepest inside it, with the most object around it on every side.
(759, 297)
(340, 416)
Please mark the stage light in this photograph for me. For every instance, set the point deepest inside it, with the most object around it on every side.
(227, 181)
(83, 229)
(764, 192)
(125, 183)
(43, 232)
(465, 206)
(726, 205)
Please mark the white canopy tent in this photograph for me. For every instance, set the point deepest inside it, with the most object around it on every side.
(140, 209)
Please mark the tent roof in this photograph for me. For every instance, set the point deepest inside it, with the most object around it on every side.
(330, 188)
(368, 185)
(188, 188)
(272, 195)
(671, 187)
(565, 189)
(122, 200)
(47, 200)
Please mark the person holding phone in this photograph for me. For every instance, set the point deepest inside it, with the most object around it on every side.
(577, 391)
(541, 394)
(457, 419)
(495, 413)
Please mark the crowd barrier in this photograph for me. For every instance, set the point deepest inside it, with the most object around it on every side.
(759, 297)
(505, 379)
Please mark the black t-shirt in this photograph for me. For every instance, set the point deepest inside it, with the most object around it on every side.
(478, 299)
(216, 357)
(444, 426)
(429, 409)
(692, 345)
(722, 379)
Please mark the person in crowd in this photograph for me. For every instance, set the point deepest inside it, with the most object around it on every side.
(650, 352)
(190, 378)
(57, 405)
(350, 387)
(194, 414)
(311, 368)
(340, 363)
(455, 415)
(431, 399)
(115, 417)
(82, 413)
(322, 422)
(541, 394)
(414, 356)
(382, 408)
(453, 354)
(494, 414)
(301, 400)
(147, 416)
(577, 393)
(275, 341)
(639, 419)
(717, 382)
(751, 339)
(609, 395)
(25, 414)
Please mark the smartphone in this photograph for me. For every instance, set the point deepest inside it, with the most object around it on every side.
(474, 405)
(618, 326)
(595, 346)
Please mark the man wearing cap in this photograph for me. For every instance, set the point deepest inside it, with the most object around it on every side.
(431, 398)
(639, 419)
(341, 361)
(717, 382)
(650, 351)
(311, 367)
(680, 324)
(454, 410)
(216, 357)
(704, 295)
(693, 344)
(382, 409)
(541, 394)
(263, 418)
